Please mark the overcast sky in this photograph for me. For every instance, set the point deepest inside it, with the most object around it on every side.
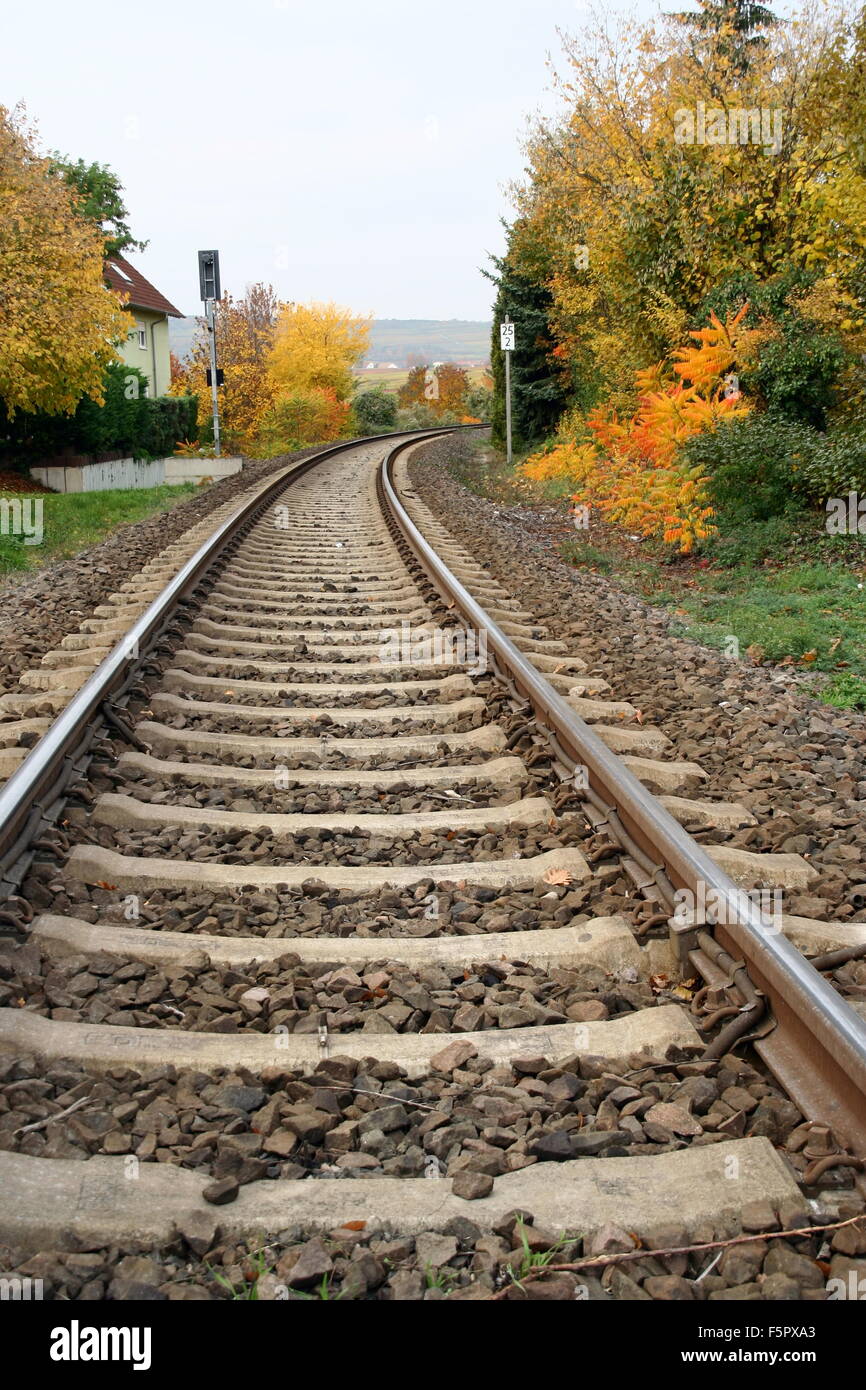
(354, 150)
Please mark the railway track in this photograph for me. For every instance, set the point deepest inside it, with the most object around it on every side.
(347, 918)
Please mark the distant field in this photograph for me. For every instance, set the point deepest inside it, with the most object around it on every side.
(430, 340)
(392, 378)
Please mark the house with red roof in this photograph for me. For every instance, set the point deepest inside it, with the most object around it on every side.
(146, 346)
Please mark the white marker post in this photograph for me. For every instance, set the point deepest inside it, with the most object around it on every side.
(506, 343)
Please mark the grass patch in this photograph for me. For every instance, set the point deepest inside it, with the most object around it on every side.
(811, 614)
(532, 1260)
(73, 521)
(585, 556)
(845, 691)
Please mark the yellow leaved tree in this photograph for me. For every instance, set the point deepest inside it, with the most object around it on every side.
(58, 320)
(315, 347)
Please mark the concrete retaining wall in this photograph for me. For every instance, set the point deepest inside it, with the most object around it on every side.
(193, 470)
(99, 477)
(134, 473)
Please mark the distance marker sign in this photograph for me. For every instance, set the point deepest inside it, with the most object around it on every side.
(506, 337)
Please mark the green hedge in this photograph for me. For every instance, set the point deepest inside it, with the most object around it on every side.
(128, 423)
(375, 412)
(766, 464)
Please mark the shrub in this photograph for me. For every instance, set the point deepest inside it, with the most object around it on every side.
(479, 402)
(120, 423)
(753, 466)
(302, 417)
(634, 470)
(169, 418)
(835, 465)
(420, 417)
(767, 465)
(128, 423)
(375, 412)
(794, 363)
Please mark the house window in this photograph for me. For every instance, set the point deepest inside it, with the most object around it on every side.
(141, 329)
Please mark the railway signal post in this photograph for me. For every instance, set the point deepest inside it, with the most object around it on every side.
(209, 282)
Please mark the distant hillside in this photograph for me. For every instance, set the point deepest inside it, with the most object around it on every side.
(429, 340)
(393, 340)
(180, 335)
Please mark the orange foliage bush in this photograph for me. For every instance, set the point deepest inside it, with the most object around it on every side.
(631, 469)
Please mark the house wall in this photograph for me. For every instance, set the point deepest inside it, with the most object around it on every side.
(155, 353)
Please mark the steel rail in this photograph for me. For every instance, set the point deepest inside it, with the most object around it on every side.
(818, 1048)
(32, 788)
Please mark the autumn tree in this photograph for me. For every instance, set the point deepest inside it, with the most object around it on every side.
(442, 388)
(413, 388)
(315, 346)
(642, 212)
(244, 338)
(58, 320)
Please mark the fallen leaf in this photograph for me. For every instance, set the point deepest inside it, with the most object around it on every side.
(809, 656)
(100, 883)
(557, 876)
(353, 1225)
